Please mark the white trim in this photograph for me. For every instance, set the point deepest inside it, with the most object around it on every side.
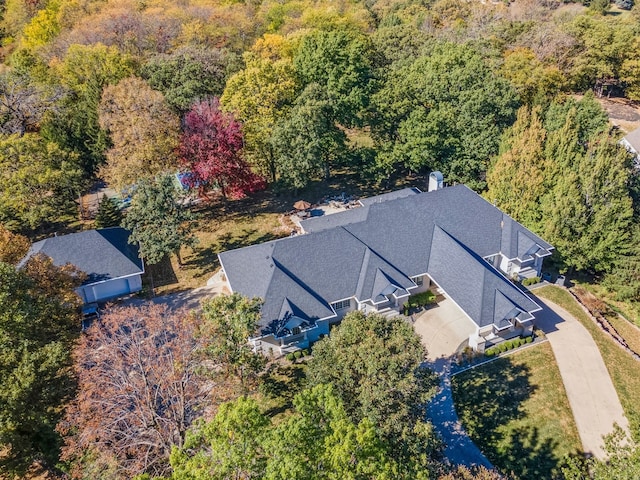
(227, 281)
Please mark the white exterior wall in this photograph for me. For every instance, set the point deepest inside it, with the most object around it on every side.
(504, 265)
(99, 292)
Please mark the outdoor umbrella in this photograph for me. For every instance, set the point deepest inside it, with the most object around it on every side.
(301, 205)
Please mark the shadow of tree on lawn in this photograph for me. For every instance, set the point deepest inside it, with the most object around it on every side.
(489, 401)
(205, 260)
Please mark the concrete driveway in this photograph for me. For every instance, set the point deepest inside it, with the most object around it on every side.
(189, 299)
(593, 399)
(442, 329)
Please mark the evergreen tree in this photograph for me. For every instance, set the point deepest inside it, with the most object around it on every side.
(109, 214)
(157, 220)
(516, 177)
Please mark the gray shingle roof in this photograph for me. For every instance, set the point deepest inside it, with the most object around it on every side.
(473, 283)
(405, 192)
(368, 251)
(102, 254)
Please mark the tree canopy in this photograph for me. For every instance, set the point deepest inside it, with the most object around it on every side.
(143, 129)
(39, 323)
(210, 149)
(157, 220)
(443, 111)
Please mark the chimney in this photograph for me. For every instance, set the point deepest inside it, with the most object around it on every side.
(435, 181)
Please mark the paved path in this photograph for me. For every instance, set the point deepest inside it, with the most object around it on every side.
(593, 399)
(459, 449)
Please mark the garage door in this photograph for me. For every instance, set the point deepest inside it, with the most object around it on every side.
(111, 289)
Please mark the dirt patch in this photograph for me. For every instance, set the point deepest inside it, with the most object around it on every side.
(623, 113)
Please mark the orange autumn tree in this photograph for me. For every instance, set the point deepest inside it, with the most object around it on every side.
(139, 391)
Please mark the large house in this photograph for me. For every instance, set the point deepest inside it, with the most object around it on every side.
(372, 258)
(112, 265)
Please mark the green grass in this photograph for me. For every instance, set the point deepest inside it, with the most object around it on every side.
(627, 330)
(623, 369)
(517, 412)
(225, 225)
(278, 385)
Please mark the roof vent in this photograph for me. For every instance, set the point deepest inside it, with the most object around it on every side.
(436, 181)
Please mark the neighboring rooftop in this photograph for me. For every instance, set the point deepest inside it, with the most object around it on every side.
(102, 254)
(365, 252)
(633, 140)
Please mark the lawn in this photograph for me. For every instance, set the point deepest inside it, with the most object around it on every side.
(624, 370)
(225, 225)
(517, 412)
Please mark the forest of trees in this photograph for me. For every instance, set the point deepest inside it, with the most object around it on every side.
(250, 95)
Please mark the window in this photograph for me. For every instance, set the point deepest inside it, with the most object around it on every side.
(296, 331)
(418, 281)
(341, 305)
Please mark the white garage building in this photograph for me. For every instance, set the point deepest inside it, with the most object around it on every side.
(112, 265)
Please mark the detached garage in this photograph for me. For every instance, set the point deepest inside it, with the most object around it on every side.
(112, 265)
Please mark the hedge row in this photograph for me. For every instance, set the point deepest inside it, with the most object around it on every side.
(507, 345)
(530, 281)
(297, 354)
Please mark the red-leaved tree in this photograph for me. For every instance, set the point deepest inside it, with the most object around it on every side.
(138, 391)
(210, 148)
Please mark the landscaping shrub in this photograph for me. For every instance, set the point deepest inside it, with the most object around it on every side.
(421, 299)
(290, 356)
(530, 281)
(297, 354)
(305, 352)
(490, 352)
(528, 339)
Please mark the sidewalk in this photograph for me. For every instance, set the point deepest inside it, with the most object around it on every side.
(459, 449)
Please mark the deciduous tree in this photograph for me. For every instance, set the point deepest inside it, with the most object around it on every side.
(316, 442)
(38, 182)
(84, 72)
(320, 441)
(228, 447)
(260, 96)
(445, 111)
(308, 143)
(228, 323)
(39, 323)
(143, 129)
(13, 246)
(211, 150)
(339, 62)
(374, 366)
(189, 74)
(158, 221)
(24, 103)
(139, 390)
(534, 81)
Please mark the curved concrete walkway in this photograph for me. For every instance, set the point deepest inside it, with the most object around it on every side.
(593, 399)
(459, 448)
